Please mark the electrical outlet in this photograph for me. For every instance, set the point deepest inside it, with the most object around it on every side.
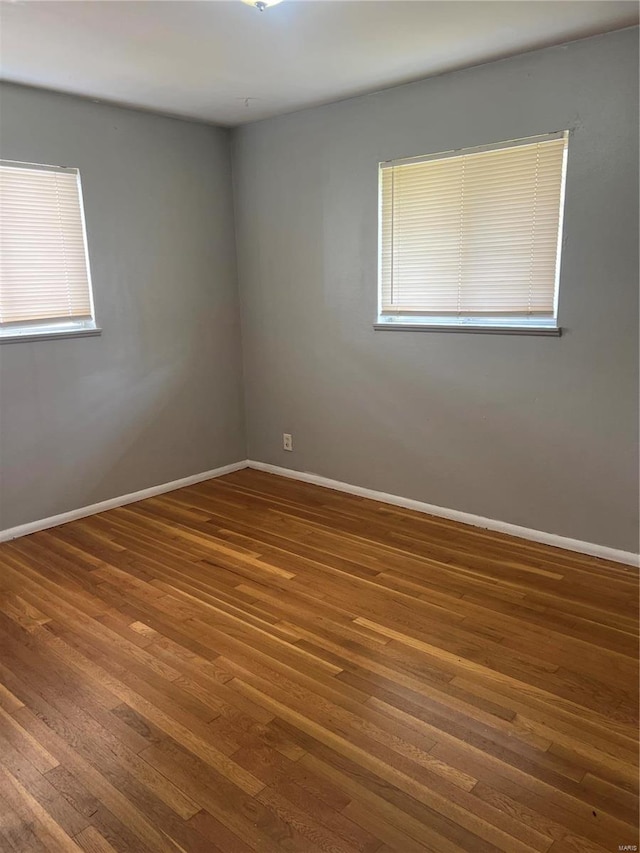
(287, 441)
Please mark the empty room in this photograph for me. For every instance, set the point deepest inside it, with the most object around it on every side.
(319, 397)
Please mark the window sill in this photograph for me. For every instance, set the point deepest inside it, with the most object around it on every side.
(478, 329)
(49, 335)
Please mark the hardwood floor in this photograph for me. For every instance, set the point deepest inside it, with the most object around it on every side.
(256, 664)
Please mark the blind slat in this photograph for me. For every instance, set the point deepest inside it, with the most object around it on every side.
(476, 233)
(44, 271)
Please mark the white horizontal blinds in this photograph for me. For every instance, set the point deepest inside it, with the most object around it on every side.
(43, 262)
(473, 234)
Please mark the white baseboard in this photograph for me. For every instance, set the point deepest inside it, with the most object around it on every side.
(112, 503)
(553, 539)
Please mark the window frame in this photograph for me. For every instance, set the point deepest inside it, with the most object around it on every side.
(511, 325)
(57, 328)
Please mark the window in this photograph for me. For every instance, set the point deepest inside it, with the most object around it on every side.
(45, 284)
(470, 240)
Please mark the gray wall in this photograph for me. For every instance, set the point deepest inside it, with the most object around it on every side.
(540, 432)
(158, 396)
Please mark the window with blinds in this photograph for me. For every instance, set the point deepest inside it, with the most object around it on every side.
(45, 285)
(472, 237)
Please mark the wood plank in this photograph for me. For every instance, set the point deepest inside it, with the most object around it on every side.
(257, 664)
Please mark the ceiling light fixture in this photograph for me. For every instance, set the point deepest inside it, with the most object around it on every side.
(261, 5)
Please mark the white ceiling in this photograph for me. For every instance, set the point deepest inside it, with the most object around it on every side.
(203, 59)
